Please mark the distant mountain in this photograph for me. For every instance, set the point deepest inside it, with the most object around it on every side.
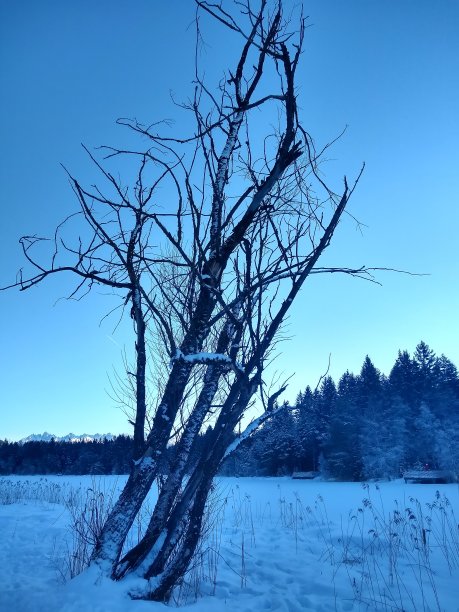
(47, 437)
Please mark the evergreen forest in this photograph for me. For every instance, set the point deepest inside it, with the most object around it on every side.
(367, 426)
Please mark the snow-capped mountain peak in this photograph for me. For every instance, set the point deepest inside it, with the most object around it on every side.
(70, 437)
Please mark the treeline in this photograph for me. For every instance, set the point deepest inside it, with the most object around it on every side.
(367, 426)
(94, 457)
(112, 456)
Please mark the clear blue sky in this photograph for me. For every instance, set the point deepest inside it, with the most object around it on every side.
(388, 70)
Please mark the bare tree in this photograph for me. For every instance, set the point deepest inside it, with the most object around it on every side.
(208, 249)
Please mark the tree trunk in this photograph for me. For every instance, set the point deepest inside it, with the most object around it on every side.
(169, 492)
(110, 543)
(141, 405)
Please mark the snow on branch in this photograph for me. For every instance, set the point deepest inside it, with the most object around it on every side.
(208, 359)
(256, 423)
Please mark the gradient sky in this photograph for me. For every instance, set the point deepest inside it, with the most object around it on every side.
(389, 70)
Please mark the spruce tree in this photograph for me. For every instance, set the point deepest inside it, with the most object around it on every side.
(342, 446)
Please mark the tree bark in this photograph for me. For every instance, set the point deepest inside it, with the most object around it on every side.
(141, 366)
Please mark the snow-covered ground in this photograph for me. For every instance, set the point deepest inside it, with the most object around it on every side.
(272, 544)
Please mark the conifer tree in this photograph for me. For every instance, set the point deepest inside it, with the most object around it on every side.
(342, 447)
(307, 426)
(425, 361)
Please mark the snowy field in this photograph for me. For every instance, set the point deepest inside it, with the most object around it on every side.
(271, 544)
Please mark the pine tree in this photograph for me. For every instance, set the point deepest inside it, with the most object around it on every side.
(342, 448)
(425, 361)
(446, 396)
(274, 444)
(306, 447)
(324, 408)
(373, 433)
(446, 372)
(403, 379)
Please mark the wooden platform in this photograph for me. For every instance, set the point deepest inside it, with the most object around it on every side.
(429, 476)
(305, 475)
